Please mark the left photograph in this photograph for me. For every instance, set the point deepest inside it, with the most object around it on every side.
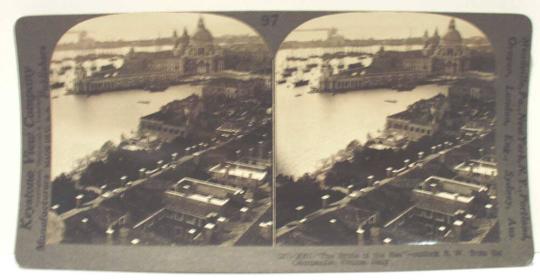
(161, 132)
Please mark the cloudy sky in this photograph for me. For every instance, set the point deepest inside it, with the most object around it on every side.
(152, 25)
(380, 25)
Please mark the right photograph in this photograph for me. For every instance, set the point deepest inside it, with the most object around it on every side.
(385, 132)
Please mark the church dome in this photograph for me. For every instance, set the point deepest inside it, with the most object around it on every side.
(202, 35)
(452, 36)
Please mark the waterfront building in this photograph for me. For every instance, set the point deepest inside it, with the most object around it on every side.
(451, 56)
(446, 56)
(191, 55)
(421, 119)
(173, 120)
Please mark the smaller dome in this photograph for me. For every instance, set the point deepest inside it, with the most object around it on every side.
(202, 35)
(452, 36)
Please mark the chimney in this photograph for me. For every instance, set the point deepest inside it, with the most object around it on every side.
(265, 229)
(299, 212)
(209, 231)
(325, 200)
(375, 233)
(441, 230)
(110, 235)
(406, 163)
(370, 180)
(468, 219)
(191, 234)
(84, 223)
(251, 154)
(387, 241)
(420, 155)
(123, 180)
(489, 210)
(457, 228)
(481, 152)
(260, 147)
(174, 156)
(350, 189)
(222, 224)
(135, 241)
(361, 236)
(160, 164)
(389, 170)
(55, 208)
(238, 154)
(433, 187)
(227, 171)
(433, 149)
(123, 232)
(244, 213)
(78, 200)
(103, 188)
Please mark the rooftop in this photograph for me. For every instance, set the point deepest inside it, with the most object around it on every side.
(239, 169)
(453, 186)
(422, 112)
(478, 167)
(174, 113)
(191, 185)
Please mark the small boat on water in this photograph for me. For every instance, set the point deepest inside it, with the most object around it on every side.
(282, 81)
(157, 87)
(56, 85)
(143, 102)
(390, 101)
(301, 83)
(298, 95)
(313, 90)
(405, 87)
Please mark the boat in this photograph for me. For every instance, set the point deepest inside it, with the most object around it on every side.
(157, 87)
(56, 85)
(298, 95)
(405, 87)
(313, 90)
(390, 101)
(282, 81)
(143, 102)
(290, 70)
(301, 83)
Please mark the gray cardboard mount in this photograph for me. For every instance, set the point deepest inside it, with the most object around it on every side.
(510, 36)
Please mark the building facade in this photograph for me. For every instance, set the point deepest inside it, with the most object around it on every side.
(191, 55)
(446, 56)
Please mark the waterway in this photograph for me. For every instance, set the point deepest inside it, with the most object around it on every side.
(310, 128)
(82, 124)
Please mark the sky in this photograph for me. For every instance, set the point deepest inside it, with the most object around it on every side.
(153, 25)
(381, 25)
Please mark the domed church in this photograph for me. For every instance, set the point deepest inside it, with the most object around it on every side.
(449, 53)
(200, 53)
(190, 55)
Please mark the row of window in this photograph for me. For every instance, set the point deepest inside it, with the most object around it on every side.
(410, 128)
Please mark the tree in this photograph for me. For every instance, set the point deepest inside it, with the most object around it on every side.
(63, 192)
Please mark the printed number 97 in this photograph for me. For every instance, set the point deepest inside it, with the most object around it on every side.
(269, 20)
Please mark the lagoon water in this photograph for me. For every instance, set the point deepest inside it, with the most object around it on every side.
(82, 124)
(310, 128)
